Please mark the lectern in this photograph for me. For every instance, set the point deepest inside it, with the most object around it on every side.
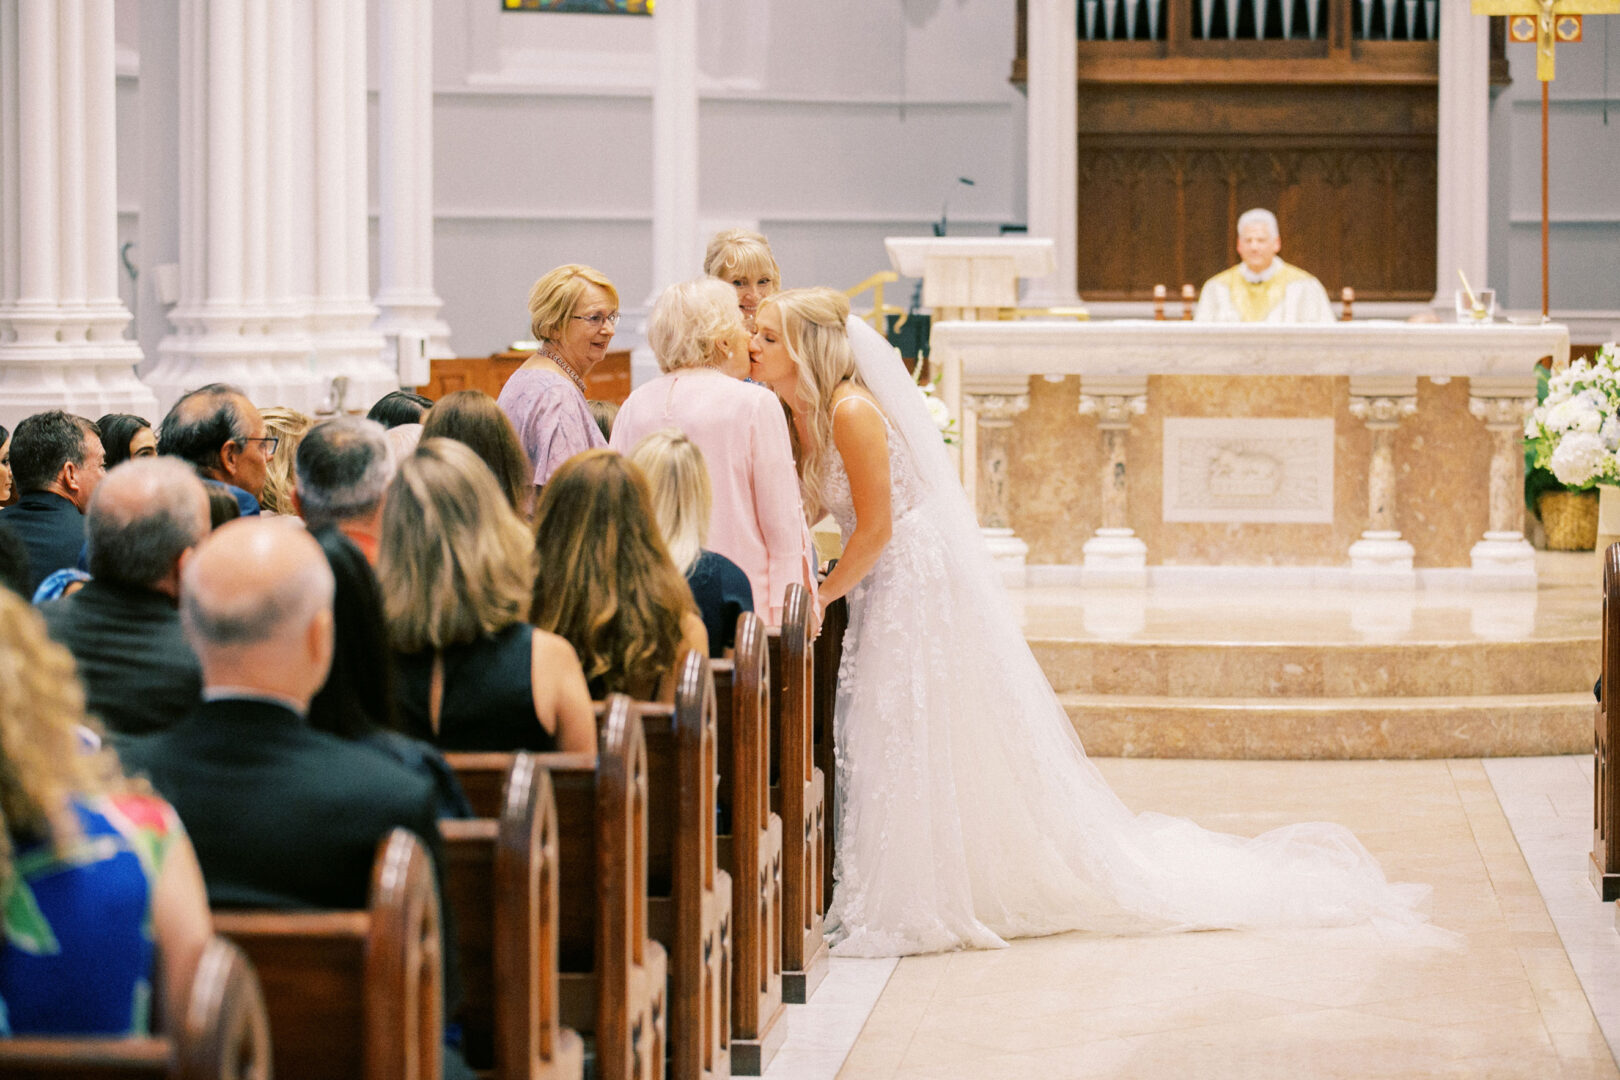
(970, 278)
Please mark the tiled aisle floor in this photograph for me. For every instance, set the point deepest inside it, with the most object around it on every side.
(1315, 1004)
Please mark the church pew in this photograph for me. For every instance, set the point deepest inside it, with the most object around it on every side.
(354, 993)
(829, 654)
(611, 977)
(1604, 863)
(688, 896)
(799, 796)
(750, 849)
(501, 883)
(223, 1036)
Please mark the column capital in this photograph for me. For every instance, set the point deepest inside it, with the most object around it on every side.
(1505, 413)
(996, 410)
(1113, 411)
(1382, 412)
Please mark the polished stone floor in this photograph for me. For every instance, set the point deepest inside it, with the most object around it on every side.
(1502, 843)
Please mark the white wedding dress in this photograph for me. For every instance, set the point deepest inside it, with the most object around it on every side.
(967, 811)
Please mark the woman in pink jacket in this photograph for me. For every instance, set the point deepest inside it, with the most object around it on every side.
(697, 334)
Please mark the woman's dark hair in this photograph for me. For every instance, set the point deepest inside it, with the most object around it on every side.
(472, 418)
(222, 505)
(4, 434)
(399, 407)
(358, 697)
(117, 429)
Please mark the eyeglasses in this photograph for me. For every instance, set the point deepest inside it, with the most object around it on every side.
(273, 440)
(599, 321)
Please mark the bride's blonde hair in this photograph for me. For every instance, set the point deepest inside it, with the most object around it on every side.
(817, 340)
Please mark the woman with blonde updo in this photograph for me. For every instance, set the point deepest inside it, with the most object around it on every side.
(758, 522)
(573, 311)
(104, 901)
(606, 581)
(681, 500)
(742, 259)
(967, 811)
(457, 572)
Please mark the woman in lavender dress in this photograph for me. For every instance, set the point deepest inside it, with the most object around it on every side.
(573, 311)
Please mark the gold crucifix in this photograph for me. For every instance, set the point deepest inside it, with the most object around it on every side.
(1546, 22)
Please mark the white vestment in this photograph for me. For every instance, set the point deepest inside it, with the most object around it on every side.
(1280, 293)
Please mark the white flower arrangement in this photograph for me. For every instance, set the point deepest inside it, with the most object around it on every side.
(1575, 431)
(938, 411)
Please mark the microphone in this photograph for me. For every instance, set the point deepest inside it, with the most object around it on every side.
(945, 204)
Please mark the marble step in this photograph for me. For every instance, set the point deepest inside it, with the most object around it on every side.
(1492, 725)
(1321, 669)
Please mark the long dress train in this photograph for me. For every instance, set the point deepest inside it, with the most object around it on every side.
(967, 810)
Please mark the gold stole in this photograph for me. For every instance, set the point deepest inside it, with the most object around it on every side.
(1255, 301)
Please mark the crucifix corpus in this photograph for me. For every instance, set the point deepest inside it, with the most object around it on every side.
(1545, 22)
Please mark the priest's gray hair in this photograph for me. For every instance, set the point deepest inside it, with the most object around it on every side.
(1259, 216)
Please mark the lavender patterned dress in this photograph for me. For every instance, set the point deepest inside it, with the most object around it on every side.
(551, 419)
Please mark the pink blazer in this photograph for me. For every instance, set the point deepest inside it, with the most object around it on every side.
(758, 519)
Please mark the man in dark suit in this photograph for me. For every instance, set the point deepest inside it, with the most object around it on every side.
(123, 627)
(57, 461)
(280, 814)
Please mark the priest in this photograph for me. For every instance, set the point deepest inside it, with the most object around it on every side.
(1262, 288)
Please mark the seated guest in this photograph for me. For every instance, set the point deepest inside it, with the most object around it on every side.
(220, 433)
(573, 311)
(282, 815)
(758, 523)
(604, 413)
(472, 418)
(5, 466)
(681, 499)
(222, 505)
(399, 407)
(357, 701)
(457, 571)
(104, 900)
(13, 564)
(124, 436)
(402, 441)
(343, 469)
(57, 461)
(1262, 288)
(606, 582)
(742, 259)
(287, 427)
(123, 626)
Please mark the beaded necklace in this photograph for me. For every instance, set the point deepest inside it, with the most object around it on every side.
(550, 353)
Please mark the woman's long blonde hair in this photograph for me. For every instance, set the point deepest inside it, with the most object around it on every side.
(606, 582)
(682, 497)
(42, 763)
(817, 340)
(289, 426)
(455, 560)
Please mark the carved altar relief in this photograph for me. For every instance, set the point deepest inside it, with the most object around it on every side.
(1248, 469)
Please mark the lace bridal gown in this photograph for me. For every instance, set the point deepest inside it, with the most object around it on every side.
(968, 812)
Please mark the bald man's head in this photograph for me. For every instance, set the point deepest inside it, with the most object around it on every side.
(220, 432)
(142, 518)
(253, 581)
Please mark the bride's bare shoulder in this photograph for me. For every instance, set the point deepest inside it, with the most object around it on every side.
(850, 392)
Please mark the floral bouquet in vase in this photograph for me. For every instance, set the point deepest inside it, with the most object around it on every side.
(1575, 431)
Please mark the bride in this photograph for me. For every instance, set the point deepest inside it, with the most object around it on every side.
(967, 811)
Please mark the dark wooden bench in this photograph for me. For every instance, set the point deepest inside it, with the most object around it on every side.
(829, 654)
(501, 883)
(750, 849)
(611, 977)
(1604, 865)
(799, 795)
(688, 895)
(354, 993)
(224, 1035)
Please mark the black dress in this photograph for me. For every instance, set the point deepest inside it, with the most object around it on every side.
(722, 593)
(488, 702)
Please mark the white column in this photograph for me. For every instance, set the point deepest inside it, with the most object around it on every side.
(1462, 214)
(675, 251)
(405, 297)
(1054, 172)
(1381, 559)
(1115, 556)
(223, 324)
(61, 321)
(1504, 559)
(347, 351)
